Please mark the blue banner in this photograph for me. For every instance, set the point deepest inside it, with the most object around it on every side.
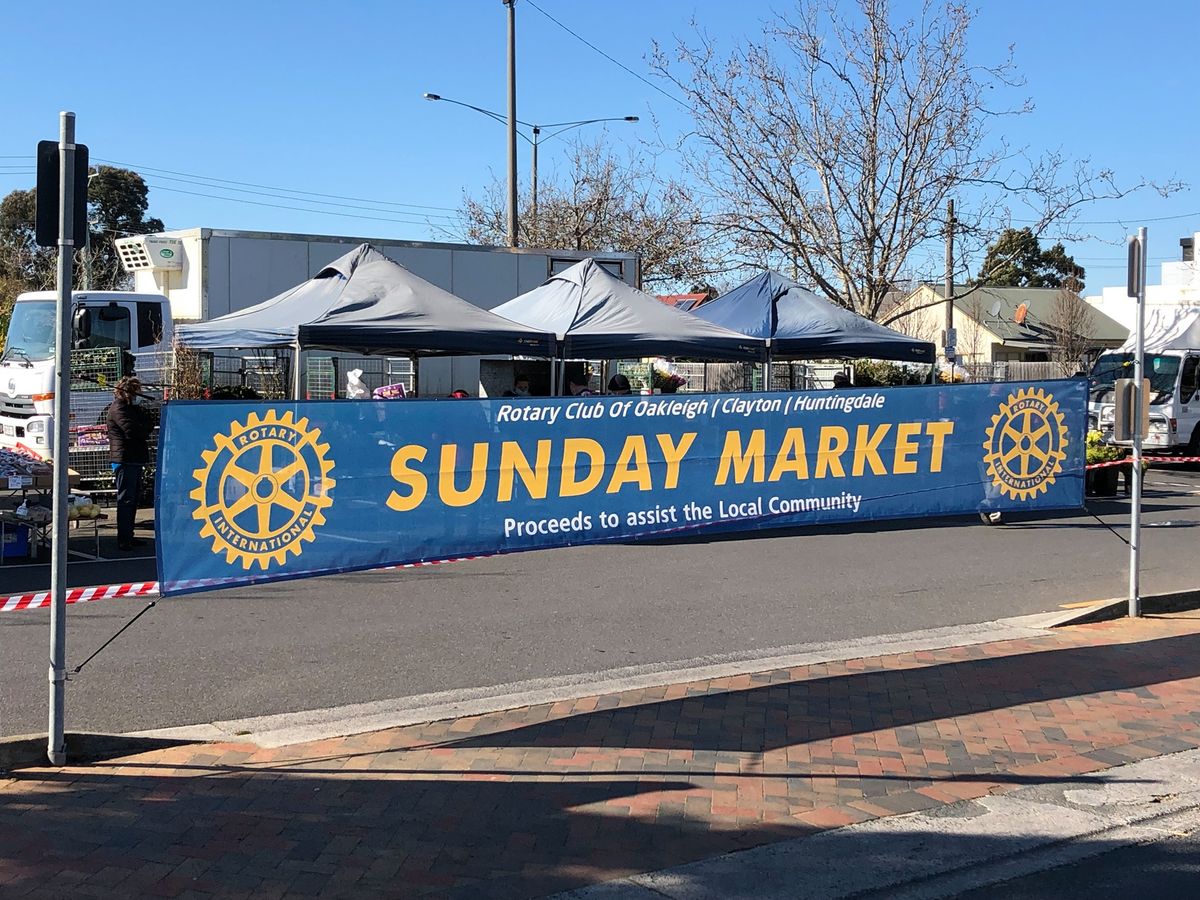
(249, 492)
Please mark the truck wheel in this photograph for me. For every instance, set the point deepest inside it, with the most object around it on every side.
(1193, 447)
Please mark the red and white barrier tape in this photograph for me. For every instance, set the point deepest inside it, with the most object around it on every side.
(1150, 459)
(39, 599)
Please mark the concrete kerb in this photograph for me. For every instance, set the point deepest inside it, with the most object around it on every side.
(1116, 608)
(27, 751)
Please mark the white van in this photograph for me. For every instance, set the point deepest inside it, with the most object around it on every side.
(1172, 364)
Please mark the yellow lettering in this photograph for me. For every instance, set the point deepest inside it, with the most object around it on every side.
(905, 448)
(791, 456)
(866, 449)
(573, 448)
(939, 431)
(448, 490)
(632, 467)
(674, 454)
(409, 478)
(536, 478)
(733, 458)
(834, 439)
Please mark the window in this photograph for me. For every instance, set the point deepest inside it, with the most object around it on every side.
(110, 326)
(150, 324)
(1187, 383)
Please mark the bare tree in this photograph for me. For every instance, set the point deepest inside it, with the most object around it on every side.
(1072, 320)
(830, 145)
(601, 202)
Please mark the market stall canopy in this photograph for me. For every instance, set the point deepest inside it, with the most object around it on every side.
(365, 302)
(1167, 328)
(802, 325)
(597, 316)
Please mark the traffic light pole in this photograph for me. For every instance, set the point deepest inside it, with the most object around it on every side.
(56, 739)
(1137, 288)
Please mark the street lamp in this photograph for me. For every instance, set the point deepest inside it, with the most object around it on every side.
(536, 139)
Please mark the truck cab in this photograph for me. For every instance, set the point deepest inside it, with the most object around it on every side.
(1174, 376)
(133, 323)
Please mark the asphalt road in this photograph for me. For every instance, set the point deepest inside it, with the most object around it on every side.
(375, 636)
(1164, 870)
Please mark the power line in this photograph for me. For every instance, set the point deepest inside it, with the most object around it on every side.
(285, 197)
(324, 212)
(268, 187)
(615, 62)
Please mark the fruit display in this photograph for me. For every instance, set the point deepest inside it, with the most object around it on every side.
(80, 506)
(13, 463)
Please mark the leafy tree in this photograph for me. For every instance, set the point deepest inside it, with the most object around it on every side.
(829, 145)
(601, 203)
(117, 205)
(1016, 259)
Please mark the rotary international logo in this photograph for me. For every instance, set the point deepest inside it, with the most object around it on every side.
(263, 489)
(1026, 444)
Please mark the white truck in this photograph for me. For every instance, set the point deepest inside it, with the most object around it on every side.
(132, 325)
(203, 273)
(1172, 365)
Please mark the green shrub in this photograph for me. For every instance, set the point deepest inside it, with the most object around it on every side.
(1098, 451)
(881, 373)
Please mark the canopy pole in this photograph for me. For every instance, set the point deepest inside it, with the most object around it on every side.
(415, 361)
(767, 368)
(297, 354)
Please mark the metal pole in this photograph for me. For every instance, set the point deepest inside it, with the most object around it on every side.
(87, 258)
(949, 347)
(1139, 398)
(512, 122)
(297, 359)
(56, 739)
(534, 187)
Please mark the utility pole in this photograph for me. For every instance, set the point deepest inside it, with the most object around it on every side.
(512, 122)
(950, 342)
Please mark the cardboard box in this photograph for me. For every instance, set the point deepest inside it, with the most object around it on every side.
(44, 480)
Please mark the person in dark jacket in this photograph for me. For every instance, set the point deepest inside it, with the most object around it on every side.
(129, 429)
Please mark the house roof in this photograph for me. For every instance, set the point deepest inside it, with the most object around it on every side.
(1036, 331)
(682, 301)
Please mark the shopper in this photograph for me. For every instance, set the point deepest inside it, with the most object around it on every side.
(619, 384)
(129, 429)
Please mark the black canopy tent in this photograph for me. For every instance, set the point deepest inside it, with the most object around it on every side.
(365, 302)
(595, 315)
(797, 324)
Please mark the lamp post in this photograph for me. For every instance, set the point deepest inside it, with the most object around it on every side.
(512, 121)
(534, 141)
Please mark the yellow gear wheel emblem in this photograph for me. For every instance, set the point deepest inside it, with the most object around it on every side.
(1026, 444)
(263, 489)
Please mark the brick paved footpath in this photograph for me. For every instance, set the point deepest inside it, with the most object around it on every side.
(541, 799)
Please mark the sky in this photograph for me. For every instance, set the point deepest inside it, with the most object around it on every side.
(314, 112)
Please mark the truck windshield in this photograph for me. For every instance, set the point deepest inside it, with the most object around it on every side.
(1161, 370)
(31, 331)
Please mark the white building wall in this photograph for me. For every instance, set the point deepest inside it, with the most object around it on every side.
(1179, 285)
